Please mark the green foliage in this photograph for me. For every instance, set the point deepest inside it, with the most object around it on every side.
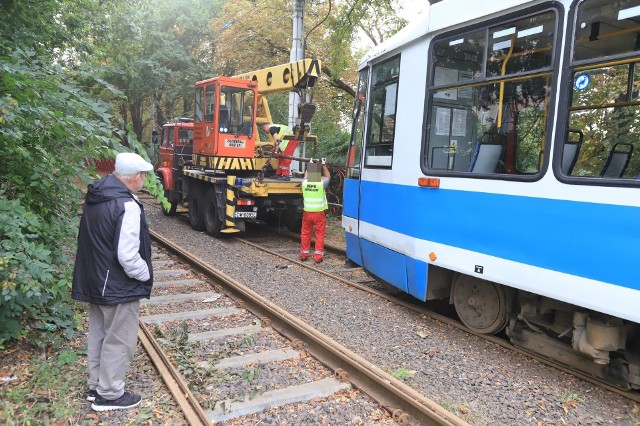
(48, 125)
(155, 50)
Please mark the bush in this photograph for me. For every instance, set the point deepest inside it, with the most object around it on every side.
(48, 124)
(34, 289)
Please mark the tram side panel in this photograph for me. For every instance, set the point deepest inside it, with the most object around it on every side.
(518, 247)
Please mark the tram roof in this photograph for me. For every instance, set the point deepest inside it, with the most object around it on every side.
(439, 16)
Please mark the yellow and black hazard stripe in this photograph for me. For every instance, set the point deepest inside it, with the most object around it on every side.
(230, 210)
(224, 163)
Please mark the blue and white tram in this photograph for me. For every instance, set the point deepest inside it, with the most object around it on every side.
(494, 160)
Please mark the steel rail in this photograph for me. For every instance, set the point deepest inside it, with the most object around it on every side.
(634, 396)
(190, 407)
(398, 398)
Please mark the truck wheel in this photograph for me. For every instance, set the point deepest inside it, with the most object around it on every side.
(174, 204)
(212, 222)
(196, 209)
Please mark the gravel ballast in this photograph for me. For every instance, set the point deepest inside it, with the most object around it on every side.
(480, 382)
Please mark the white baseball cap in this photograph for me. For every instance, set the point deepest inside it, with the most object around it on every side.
(128, 163)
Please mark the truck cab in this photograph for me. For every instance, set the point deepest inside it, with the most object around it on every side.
(175, 148)
(224, 124)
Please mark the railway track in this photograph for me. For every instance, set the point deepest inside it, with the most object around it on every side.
(281, 242)
(220, 348)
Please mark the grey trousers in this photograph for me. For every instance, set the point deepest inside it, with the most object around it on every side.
(113, 336)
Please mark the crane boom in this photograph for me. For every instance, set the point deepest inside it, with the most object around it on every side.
(280, 78)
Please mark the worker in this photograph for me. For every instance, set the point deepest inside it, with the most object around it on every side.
(284, 146)
(313, 215)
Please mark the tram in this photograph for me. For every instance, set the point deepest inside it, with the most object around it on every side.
(494, 163)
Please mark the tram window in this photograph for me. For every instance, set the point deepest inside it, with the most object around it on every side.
(607, 111)
(491, 119)
(382, 113)
(210, 100)
(198, 114)
(459, 58)
(521, 46)
(604, 106)
(606, 28)
(357, 131)
(459, 128)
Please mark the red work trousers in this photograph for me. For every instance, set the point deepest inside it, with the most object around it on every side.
(285, 163)
(311, 220)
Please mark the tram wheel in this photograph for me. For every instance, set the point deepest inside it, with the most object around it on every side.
(212, 222)
(480, 304)
(196, 209)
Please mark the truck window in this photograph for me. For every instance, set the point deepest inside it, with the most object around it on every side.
(236, 110)
(170, 136)
(163, 138)
(198, 107)
(210, 101)
(185, 137)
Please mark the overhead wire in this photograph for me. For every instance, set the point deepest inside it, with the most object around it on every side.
(304, 46)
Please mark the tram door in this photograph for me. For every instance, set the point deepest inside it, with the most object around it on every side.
(352, 182)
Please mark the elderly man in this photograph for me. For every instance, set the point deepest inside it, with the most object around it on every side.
(112, 273)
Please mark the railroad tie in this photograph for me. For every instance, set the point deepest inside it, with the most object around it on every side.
(253, 358)
(163, 273)
(231, 408)
(218, 334)
(187, 282)
(162, 263)
(209, 296)
(191, 315)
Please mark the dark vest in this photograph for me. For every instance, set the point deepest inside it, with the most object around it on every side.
(98, 276)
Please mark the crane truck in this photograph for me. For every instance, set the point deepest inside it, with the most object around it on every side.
(215, 164)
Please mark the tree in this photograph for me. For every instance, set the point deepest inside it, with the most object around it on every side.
(154, 51)
(329, 32)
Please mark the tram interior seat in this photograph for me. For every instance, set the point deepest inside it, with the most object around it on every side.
(486, 157)
(617, 161)
(570, 152)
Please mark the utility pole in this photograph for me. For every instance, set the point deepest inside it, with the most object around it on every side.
(297, 53)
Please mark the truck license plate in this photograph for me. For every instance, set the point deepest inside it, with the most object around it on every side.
(246, 215)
